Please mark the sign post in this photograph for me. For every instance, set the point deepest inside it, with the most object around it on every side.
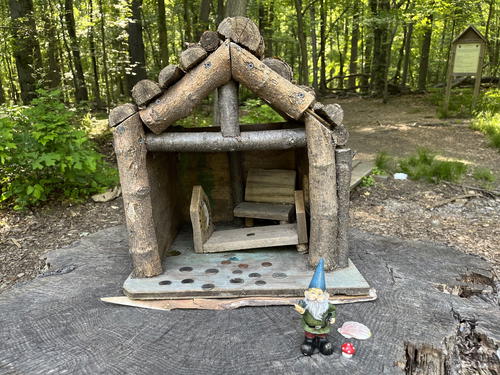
(466, 59)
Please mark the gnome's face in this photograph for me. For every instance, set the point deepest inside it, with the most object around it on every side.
(316, 302)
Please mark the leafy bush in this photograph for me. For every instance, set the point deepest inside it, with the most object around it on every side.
(487, 118)
(45, 152)
(385, 163)
(424, 165)
(257, 112)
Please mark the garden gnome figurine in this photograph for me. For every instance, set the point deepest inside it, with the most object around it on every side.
(317, 314)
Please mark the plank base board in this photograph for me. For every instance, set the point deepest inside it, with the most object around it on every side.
(278, 272)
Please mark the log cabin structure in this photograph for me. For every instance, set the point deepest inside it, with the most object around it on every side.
(202, 176)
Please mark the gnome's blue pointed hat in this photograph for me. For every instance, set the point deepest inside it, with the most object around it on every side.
(318, 279)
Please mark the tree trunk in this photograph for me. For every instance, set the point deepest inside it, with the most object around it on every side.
(424, 55)
(136, 46)
(379, 64)
(236, 8)
(81, 93)
(322, 46)
(312, 13)
(367, 56)
(203, 18)
(104, 54)
(2, 95)
(53, 75)
(95, 72)
(353, 63)
(162, 33)
(24, 46)
(303, 70)
(407, 55)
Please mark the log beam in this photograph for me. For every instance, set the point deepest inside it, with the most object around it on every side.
(131, 157)
(180, 100)
(322, 194)
(281, 94)
(282, 139)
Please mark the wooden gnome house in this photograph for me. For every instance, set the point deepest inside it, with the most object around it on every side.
(233, 210)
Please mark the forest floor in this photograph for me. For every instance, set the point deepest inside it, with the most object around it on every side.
(406, 209)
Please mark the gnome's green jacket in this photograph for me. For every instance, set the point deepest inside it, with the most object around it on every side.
(315, 326)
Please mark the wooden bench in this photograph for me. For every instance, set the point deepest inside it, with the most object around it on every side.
(269, 194)
(208, 240)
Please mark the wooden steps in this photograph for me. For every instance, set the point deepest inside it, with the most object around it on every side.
(269, 211)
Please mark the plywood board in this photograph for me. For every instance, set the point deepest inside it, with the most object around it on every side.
(270, 211)
(251, 238)
(270, 185)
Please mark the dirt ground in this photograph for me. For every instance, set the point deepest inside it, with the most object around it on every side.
(407, 209)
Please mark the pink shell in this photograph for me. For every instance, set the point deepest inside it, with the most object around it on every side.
(355, 330)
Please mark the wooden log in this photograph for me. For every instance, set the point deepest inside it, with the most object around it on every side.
(243, 31)
(280, 67)
(266, 211)
(282, 95)
(283, 139)
(228, 108)
(191, 57)
(131, 157)
(210, 41)
(322, 194)
(145, 91)
(169, 75)
(180, 100)
(308, 89)
(121, 113)
(332, 113)
(340, 135)
(343, 160)
(261, 48)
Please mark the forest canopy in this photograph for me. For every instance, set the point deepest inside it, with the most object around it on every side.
(94, 51)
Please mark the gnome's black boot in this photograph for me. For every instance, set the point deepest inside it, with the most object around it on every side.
(325, 346)
(307, 346)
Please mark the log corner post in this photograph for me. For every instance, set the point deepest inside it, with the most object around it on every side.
(343, 159)
(130, 149)
(322, 194)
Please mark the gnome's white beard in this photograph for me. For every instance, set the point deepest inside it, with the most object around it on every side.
(316, 308)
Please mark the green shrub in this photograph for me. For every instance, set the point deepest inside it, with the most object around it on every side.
(45, 152)
(367, 181)
(483, 174)
(424, 165)
(386, 163)
(257, 112)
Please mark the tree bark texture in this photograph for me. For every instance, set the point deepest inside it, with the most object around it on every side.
(353, 63)
(424, 55)
(180, 100)
(343, 161)
(241, 30)
(228, 109)
(322, 194)
(280, 67)
(135, 46)
(304, 69)
(162, 32)
(236, 8)
(282, 139)
(81, 93)
(23, 33)
(282, 95)
(131, 157)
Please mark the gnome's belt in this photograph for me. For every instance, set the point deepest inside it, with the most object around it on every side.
(325, 322)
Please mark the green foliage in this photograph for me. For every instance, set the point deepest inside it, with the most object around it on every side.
(256, 112)
(483, 174)
(424, 165)
(489, 102)
(385, 163)
(489, 124)
(367, 181)
(45, 152)
(460, 104)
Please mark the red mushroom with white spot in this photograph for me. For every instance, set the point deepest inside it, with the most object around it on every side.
(348, 350)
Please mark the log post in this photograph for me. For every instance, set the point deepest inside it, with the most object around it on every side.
(229, 122)
(343, 159)
(181, 98)
(322, 194)
(130, 149)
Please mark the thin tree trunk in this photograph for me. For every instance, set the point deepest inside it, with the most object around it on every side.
(53, 75)
(81, 93)
(364, 83)
(136, 46)
(162, 32)
(104, 55)
(149, 37)
(380, 40)
(24, 46)
(187, 21)
(95, 71)
(399, 64)
(220, 11)
(7, 62)
(67, 49)
(236, 7)
(202, 24)
(322, 46)
(424, 55)
(303, 70)
(353, 63)
(2, 94)
(312, 13)
(407, 55)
